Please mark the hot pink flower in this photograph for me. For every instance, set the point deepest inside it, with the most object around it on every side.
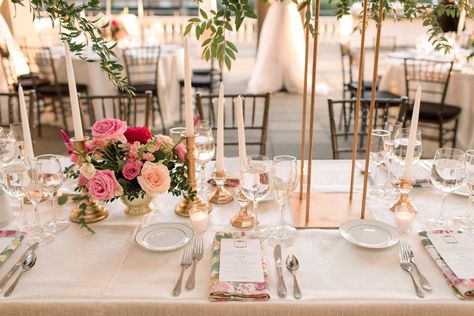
(103, 185)
(109, 129)
(82, 180)
(181, 151)
(132, 169)
(148, 157)
(67, 141)
(154, 178)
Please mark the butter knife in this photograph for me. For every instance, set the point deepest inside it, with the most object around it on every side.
(18, 264)
(281, 288)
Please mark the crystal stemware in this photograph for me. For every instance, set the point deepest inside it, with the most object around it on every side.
(14, 179)
(205, 149)
(400, 146)
(378, 152)
(8, 151)
(466, 222)
(17, 132)
(447, 175)
(284, 175)
(255, 183)
(51, 177)
(392, 178)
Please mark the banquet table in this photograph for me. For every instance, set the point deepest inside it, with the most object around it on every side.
(109, 274)
(459, 93)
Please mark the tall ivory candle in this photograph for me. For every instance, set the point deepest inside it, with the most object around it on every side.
(220, 131)
(25, 124)
(241, 129)
(462, 19)
(140, 9)
(76, 112)
(108, 7)
(188, 102)
(412, 137)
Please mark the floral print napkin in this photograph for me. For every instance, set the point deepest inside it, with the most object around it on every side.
(235, 291)
(462, 288)
(17, 239)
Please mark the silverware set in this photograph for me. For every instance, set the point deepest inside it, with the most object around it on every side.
(407, 263)
(292, 265)
(26, 261)
(191, 257)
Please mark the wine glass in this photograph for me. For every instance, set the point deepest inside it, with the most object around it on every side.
(447, 175)
(378, 152)
(401, 145)
(17, 132)
(255, 183)
(205, 149)
(393, 127)
(51, 177)
(8, 151)
(466, 222)
(176, 134)
(284, 178)
(14, 178)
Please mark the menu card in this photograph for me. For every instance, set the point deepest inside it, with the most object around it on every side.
(457, 250)
(240, 261)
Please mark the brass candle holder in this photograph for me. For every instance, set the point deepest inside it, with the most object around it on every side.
(244, 218)
(94, 211)
(185, 204)
(220, 195)
(404, 200)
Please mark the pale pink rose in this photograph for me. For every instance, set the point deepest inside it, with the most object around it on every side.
(154, 178)
(158, 142)
(98, 143)
(132, 169)
(103, 185)
(133, 150)
(166, 143)
(181, 151)
(109, 129)
(148, 157)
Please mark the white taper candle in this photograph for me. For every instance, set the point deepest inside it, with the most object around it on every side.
(241, 129)
(188, 102)
(412, 136)
(25, 125)
(220, 131)
(76, 112)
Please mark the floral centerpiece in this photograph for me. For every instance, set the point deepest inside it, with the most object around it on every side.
(117, 30)
(129, 163)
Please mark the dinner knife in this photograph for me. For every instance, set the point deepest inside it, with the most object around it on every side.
(281, 288)
(18, 264)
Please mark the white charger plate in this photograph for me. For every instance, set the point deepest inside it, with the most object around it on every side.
(164, 236)
(369, 233)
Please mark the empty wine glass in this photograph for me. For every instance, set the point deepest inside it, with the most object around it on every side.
(401, 145)
(17, 131)
(8, 151)
(205, 149)
(447, 175)
(255, 184)
(14, 179)
(378, 152)
(284, 179)
(51, 177)
(392, 177)
(177, 133)
(466, 222)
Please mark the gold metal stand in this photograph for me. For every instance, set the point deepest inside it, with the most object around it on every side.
(220, 195)
(404, 200)
(244, 218)
(183, 207)
(94, 211)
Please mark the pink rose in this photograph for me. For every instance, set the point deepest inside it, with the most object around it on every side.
(181, 151)
(103, 185)
(109, 129)
(165, 140)
(154, 178)
(82, 180)
(133, 150)
(132, 169)
(98, 143)
(148, 157)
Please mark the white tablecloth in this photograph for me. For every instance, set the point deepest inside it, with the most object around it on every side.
(108, 274)
(460, 93)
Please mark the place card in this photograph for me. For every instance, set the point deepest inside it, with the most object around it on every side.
(457, 250)
(240, 261)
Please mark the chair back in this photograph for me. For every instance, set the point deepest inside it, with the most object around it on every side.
(342, 137)
(41, 63)
(7, 67)
(141, 64)
(256, 112)
(433, 75)
(136, 111)
(10, 108)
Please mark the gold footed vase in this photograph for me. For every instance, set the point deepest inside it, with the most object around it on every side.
(94, 212)
(138, 206)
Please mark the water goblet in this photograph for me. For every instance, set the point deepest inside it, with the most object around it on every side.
(205, 149)
(8, 151)
(177, 133)
(378, 152)
(17, 131)
(51, 177)
(255, 183)
(14, 178)
(447, 175)
(400, 146)
(466, 222)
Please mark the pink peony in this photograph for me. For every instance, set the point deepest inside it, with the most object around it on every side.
(103, 185)
(154, 178)
(132, 169)
(181, 151)
(109, 129)
(148, 157)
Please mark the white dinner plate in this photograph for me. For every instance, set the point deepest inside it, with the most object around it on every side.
(164, 236)
(369, 233)
(463, 191)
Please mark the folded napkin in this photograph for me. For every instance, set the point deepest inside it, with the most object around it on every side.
(462, 288)
(235, 291)
(9, 241)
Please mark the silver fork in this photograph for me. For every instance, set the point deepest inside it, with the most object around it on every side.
(186, 262)
(425, 284)
(406, 265)
(198, 251)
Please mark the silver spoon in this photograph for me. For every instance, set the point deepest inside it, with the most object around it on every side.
(292, 265)
(29, 262)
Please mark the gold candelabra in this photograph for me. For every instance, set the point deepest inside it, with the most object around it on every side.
(94, 212)
(185, 204)
(220, 195)
(404, 200)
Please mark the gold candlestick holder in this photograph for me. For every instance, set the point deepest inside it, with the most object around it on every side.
(94, 212)
(244, 218)
(185, 204)
(404, 200)
(220, 195)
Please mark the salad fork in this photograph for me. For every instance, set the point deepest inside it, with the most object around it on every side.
(425, 284)
(186, 262)
(198, 251)
(406, 265)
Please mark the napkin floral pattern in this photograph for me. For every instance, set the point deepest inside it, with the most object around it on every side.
(235, 291)
(462, 288)
(7, 252)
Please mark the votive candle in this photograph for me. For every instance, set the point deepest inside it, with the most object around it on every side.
(404, 219)
(199, 220)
